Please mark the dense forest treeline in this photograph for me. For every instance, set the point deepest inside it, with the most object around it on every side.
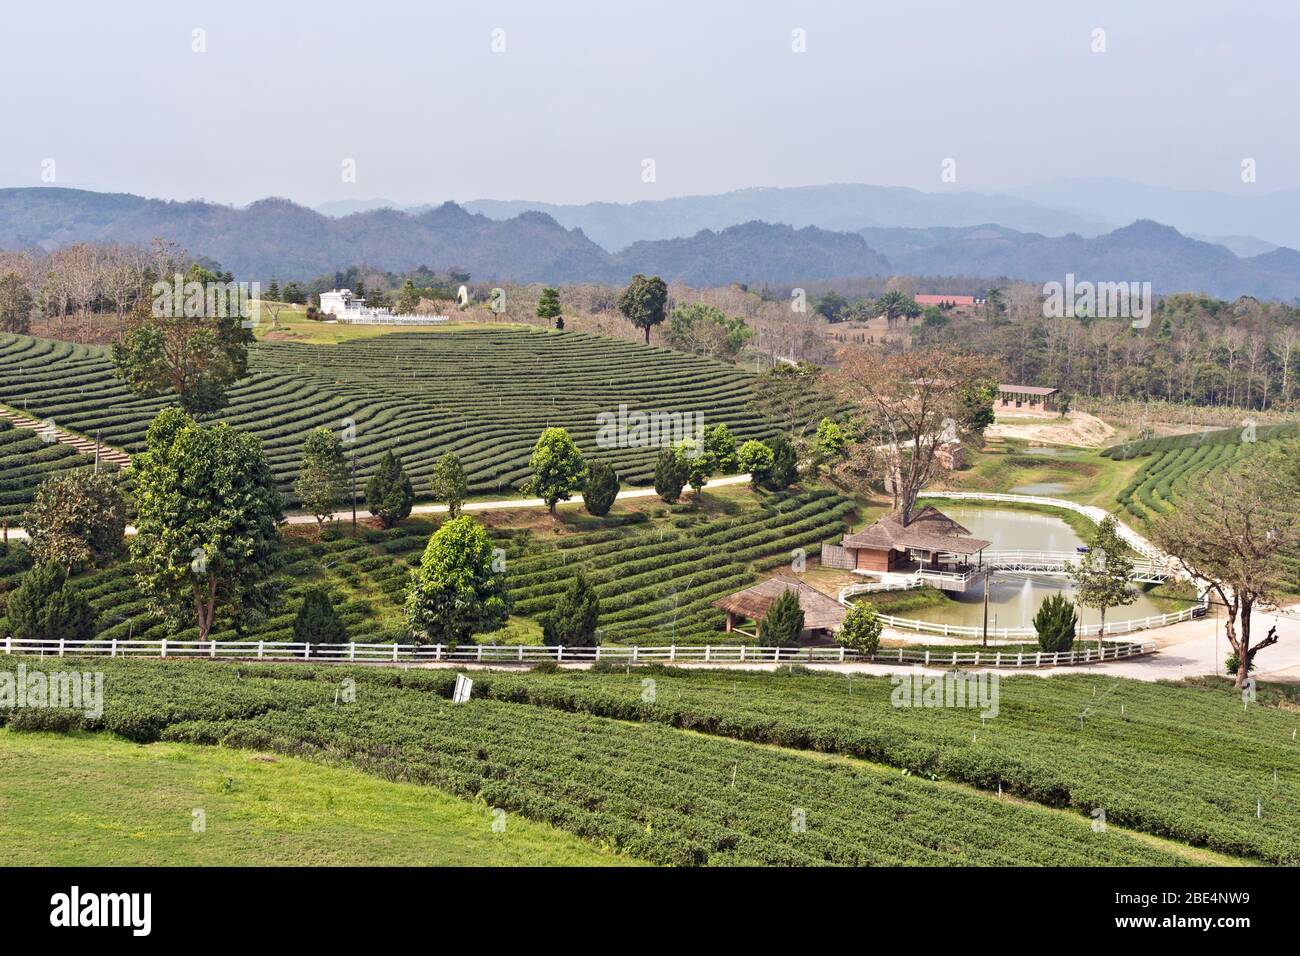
(1196, 350)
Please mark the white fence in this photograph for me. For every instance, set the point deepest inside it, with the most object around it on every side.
(525, 654)
(1002, 633)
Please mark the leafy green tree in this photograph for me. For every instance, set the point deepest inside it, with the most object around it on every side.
(644, 302)
(785, 464)
(322, 483)
(671, 475)
(558, 468)
(707, 330)
(600, 489)
(696, 463)
(832, 307)
(389, 495)
(207, 509)
(783, 622)
(720, 445)
(16, 304)
(976, 406)
(194, 358)
(458, 588)
(861, 629)
(77, 518)
(572, 621)
(45, 606)
(318, 621)
(1056, 623)
(548, 306)
(449, 483)
(273, 291)
(830, 445)
(756, 460)
(1103, 577)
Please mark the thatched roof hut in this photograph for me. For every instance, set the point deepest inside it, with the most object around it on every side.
(821, 614)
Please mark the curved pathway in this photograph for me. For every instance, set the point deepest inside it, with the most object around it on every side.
(626, 494)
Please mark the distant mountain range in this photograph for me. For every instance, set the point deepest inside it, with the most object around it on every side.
(278, 238)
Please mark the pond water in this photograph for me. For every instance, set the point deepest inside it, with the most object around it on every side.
(1052, 451)
(1014, 598)
(1042, 488)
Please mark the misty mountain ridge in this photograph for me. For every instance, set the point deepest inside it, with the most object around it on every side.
(279, 238)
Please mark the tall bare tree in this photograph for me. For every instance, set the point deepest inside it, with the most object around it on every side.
(909, 405)
(1232, 533)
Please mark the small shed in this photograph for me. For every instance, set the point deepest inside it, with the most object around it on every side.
(1034, 397)
(822, 615)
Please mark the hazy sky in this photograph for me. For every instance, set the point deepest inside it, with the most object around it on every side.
(711, 90)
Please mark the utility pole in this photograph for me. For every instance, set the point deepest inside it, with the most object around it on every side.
(354, 494)
(96, 451)
(986, 608)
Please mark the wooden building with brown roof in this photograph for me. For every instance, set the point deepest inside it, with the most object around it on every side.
(822, 615)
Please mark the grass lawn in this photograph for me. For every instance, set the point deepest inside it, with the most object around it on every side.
(1087, 477)
(96, 800)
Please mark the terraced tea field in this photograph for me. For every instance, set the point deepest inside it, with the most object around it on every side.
(1177, 460)
(653, 792)
(485, 394)
(656, 578)
(26, 459)
(1188, 763)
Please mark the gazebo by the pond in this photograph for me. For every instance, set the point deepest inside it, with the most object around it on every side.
(930, 546)
(822, 615)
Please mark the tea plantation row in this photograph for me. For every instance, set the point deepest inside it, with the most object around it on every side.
(655, 578)
(485, 394)
(652, 791)
(26, 460)
(1189, 763)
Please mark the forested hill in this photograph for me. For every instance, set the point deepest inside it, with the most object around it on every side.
(278, 238)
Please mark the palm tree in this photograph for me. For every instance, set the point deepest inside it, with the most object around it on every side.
(895, 305)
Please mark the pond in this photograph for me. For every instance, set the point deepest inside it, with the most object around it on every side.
(1052, 451)
(1042, 488)
(1014, 598)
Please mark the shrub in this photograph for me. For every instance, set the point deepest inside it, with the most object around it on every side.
(572, 621)
(861, 629)
(1056, 622)
(46, 607)
(318, 622)
(1233, 664)
(783, 621)
(601, 488)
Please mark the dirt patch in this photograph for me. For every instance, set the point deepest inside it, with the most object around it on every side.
(1077, 428)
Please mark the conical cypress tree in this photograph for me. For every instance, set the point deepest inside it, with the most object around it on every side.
(1055, 623)
(601, 488)
(783, 621)
(573, 620)
(670, 476)
(317, 621)
(389, 494)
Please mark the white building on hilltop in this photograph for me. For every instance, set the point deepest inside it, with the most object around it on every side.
(347, 307)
